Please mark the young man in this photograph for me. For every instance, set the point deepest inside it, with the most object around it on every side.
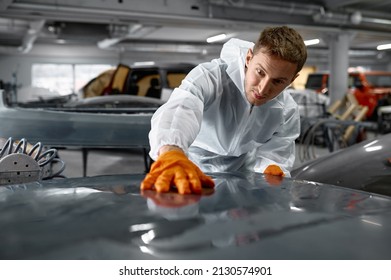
(230, 114)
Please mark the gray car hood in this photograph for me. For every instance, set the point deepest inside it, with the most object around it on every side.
(246, 216)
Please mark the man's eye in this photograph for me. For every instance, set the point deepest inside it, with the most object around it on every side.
(278, 82)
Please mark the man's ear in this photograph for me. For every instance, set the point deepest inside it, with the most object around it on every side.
(249, 56)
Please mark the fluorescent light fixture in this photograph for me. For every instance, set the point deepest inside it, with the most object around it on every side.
(216, 38)
(144, 63)
(383, 47)
(311, 42)
(107, 43)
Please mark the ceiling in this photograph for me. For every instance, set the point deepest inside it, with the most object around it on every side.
(181, 27)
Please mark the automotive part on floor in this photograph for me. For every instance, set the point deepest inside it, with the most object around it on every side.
(21, 162)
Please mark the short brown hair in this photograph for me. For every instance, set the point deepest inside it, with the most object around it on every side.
(284, 42)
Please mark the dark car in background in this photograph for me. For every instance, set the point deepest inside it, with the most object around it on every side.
(155, 80)
(137, 86)
(158, 80)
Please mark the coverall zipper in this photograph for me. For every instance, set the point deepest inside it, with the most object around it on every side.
(243, 125)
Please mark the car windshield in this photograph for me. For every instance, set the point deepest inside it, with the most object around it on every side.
(379, 80)
(314, 82)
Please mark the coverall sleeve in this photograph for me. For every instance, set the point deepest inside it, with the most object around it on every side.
(280, 149)
(178, 121)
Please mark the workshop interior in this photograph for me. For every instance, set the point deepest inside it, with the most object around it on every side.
(81, 80)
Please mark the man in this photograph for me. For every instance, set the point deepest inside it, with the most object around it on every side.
(230, 114)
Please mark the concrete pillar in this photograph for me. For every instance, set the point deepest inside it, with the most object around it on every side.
(338, 64)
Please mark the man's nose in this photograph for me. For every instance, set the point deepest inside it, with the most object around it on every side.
(264, 85)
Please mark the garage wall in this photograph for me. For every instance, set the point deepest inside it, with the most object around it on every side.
(21, 63)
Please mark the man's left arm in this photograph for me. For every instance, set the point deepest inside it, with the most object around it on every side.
(280, 149)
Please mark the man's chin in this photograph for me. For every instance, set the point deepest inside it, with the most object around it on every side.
(254, 101)
(251, 99)
(258, 102)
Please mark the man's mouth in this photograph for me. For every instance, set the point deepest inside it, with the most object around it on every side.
(257, 95)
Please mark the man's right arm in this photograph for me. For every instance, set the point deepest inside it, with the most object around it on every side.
(174, 126)
(167, 148)
(178, 121)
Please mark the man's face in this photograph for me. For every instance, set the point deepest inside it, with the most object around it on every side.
(266, 76)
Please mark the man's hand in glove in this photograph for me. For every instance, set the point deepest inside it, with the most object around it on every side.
(273, 174)
(173, 168)
(274, 169)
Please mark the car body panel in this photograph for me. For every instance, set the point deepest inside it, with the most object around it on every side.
(247, 216)
(363, 166)
(59, 128)
(114, 101)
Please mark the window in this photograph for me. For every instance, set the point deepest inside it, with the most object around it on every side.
(315, 81)
(65, 78)
(142, 77)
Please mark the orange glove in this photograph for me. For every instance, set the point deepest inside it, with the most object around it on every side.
(273, 174)
(274, 169)
(174, 168)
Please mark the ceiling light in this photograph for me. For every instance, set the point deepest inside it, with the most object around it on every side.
(144, 63)
(383, 47)
(216, 38)
(109, 42)
(356, 17)
(51, 28)
(311, 42)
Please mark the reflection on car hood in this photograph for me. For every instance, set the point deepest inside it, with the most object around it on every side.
(247, 216)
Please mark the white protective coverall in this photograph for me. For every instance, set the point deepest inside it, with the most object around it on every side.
(211, 120)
